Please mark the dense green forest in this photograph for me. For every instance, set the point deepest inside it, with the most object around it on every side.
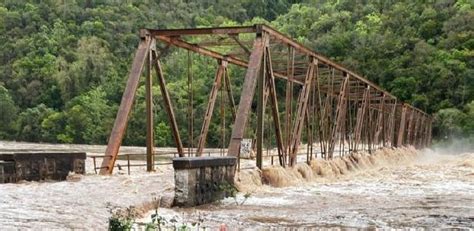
(64, 63)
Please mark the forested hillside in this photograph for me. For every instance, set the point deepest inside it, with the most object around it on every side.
(64, 63)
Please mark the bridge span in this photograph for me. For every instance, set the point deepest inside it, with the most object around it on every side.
(336, 110)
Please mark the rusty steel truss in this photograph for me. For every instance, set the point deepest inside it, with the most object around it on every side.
(341, 111)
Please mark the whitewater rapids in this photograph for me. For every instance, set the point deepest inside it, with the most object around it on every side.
(400, 188)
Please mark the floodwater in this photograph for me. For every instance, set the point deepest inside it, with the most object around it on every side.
(431, 191)
(82, 202)
(434, 191)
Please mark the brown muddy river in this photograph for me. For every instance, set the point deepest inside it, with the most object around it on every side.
(435, 191)
(432, 191)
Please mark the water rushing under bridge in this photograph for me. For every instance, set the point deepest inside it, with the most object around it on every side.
(340, 111)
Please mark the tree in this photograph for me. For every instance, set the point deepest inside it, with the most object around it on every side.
(56, 55)
(93, 66)
(29, 123)
(88, 119)
(52, 128)
(8, 114)
(468, 127)
(402, 87)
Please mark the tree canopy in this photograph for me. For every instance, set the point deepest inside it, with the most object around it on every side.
(63, 64)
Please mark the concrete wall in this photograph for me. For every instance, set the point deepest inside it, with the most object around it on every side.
(38, 166)
(7, 172)
(200, 180)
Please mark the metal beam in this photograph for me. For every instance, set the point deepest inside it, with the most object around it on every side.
(204, 31)
(120, 124)
(248, 91)
(230, 95)
(361, 114)
(340, 117)
(210, 107)
(338, 96)
(391, 126)
(274, 106)
(261, 100)
(278, 35)
(401, 131)
(168, 106)
(150, 157)
(301, 111)
(380, 123)
(203, 51)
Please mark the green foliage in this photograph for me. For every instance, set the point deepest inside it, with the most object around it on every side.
(93, 66)
(468, 127)
(29, 122)
(7, 114)
(52, 128)
(89, 118)
(454, 124)
(157, 221)
(122, 219)
(406, 47)
(402, 87)
(162, 134)
(117, 224)
(230, 190)
(63, 64)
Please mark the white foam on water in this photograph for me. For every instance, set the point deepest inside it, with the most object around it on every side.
(75, 205)
(432, 191)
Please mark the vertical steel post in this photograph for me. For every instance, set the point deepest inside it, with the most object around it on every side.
(150, 166)
(230, 95)
(380, 122)
(361, 118)
(274, 106)
(401, 131)
(416, 125)
(288, 100)
(261, 109)
(409, 129)
(190, 106)
(391, 125)
(340, 116)
(320, 115)
(368, 126)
